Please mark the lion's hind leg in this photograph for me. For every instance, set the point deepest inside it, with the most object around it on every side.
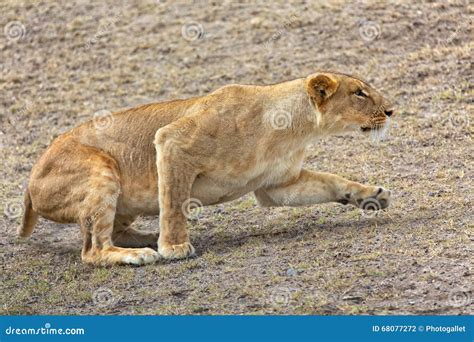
(125, 236)
(100, 191)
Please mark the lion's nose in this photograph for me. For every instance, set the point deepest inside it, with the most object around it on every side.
(389, 112)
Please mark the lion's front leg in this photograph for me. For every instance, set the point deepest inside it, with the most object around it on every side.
(176, 174)
(319, 187)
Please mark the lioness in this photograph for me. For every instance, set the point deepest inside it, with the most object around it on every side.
(162, 158)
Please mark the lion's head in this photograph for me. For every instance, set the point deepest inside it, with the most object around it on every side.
(345, 103)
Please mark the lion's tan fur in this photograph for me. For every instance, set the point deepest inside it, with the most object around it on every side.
(214, 148)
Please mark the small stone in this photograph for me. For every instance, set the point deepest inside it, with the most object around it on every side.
(219, 210)
(291, 272)
(353, 298)
(256, 22)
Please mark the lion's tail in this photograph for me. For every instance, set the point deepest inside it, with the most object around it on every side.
(30, 217)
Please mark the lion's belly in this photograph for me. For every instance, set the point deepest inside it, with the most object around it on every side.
(145, 201)
(140, 197)
(138, 201)
(219, 188)
(209, 191)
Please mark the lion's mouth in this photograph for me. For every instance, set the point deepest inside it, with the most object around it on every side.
(366, 129)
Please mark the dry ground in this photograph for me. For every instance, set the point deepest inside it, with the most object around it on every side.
(74, 58)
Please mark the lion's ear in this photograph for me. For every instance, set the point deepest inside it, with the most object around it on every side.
(321, 87)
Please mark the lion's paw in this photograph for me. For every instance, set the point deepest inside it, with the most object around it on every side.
(139, 256)
(180, 251)
(371, 198)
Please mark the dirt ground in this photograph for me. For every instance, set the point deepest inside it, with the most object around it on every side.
(61, 62)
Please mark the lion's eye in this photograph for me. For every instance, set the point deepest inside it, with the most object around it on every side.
(360, 93)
